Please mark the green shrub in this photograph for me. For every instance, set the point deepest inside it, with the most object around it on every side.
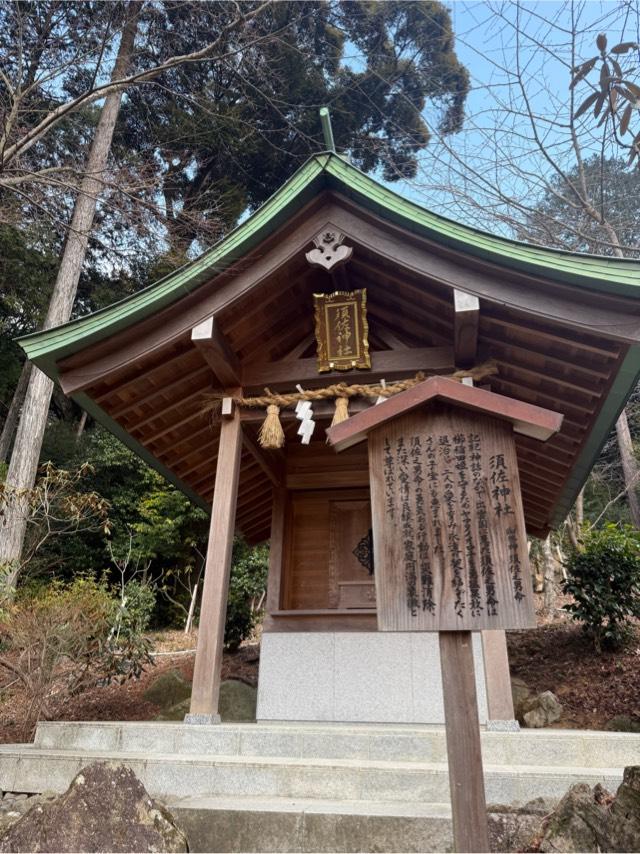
(129, 621)
(604, 581)
(246, 587)
(62, 638)
(51, 638)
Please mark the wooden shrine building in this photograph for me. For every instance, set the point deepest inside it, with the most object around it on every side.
(400, 294)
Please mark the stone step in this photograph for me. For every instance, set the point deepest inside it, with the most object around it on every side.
(402, 743)
(33, 769)
(307, 825)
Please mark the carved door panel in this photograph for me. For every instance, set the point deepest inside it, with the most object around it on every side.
(351, 582)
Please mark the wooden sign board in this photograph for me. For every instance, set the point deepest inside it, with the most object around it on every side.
(342, 330)
(449, 542)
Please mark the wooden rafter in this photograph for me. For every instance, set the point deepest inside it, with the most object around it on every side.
(178, 403)
(213, 346)
(166, 389)
(73, 382)
(466, 323)
(271, 462)
(297, 351)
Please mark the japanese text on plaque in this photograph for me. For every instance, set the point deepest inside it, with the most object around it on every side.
(451, 500)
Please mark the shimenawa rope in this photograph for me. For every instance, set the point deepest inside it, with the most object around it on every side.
(271, 433)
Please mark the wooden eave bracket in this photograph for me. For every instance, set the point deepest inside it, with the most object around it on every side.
(466, 325)
(527, 419)
(213, 346)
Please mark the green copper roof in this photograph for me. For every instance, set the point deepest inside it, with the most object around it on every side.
(330, 171)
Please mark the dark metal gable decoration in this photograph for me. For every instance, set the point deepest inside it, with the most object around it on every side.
(364, 551)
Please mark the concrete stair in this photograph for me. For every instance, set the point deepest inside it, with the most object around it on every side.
(314, 787)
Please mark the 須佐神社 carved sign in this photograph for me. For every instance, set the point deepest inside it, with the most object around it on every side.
(449, 538)
(342, 330)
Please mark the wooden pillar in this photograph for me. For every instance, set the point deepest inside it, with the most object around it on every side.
(206, 676)
(497, 677)
(462, 725)
(276, 548)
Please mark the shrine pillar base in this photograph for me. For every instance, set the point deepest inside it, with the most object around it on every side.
(356, 677)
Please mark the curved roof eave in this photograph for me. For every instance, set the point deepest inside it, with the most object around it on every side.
(329, 171)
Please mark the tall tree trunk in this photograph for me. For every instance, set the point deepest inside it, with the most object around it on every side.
(26, 452)
(629, 466)
(81, 425)
(11, 422)
(580, 508)
(549, 572)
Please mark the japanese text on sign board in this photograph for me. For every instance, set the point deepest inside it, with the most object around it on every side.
(453, 525)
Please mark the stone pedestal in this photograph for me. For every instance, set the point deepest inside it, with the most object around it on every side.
(360, 677)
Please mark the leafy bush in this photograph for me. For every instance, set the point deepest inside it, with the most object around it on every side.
(246, 588)
(604, 581)
(60, 639)
(52, 636)
(128, 646)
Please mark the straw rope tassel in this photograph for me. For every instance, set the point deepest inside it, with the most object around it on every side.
(342, 410)
(271, 434)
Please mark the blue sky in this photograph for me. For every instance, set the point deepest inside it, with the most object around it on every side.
(497, 146)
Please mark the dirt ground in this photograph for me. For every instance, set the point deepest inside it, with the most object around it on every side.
(556, 657)
(592, 688)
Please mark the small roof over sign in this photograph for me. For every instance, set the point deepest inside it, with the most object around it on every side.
(530, 420)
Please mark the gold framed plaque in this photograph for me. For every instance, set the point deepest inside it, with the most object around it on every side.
(342, 330)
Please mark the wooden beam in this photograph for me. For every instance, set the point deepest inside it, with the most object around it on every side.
(544, 361)
(297, 351)
(496, 675)
(276, 549)
(462, 730)
(402, 279)
(526, 418)
(206, 676)
(390, 364)
(466, 324)
(176, 459)
(211, 450)
(328, 479)
(207, 337)
(271, 462)
(389, 339)
(514, 331)
(401, 315)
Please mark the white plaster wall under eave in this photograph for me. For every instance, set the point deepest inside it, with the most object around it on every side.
(356, 677)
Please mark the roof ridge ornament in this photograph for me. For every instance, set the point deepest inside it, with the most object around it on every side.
(327, 130)
(330, 251)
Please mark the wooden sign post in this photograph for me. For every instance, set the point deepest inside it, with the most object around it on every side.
(449, 544)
